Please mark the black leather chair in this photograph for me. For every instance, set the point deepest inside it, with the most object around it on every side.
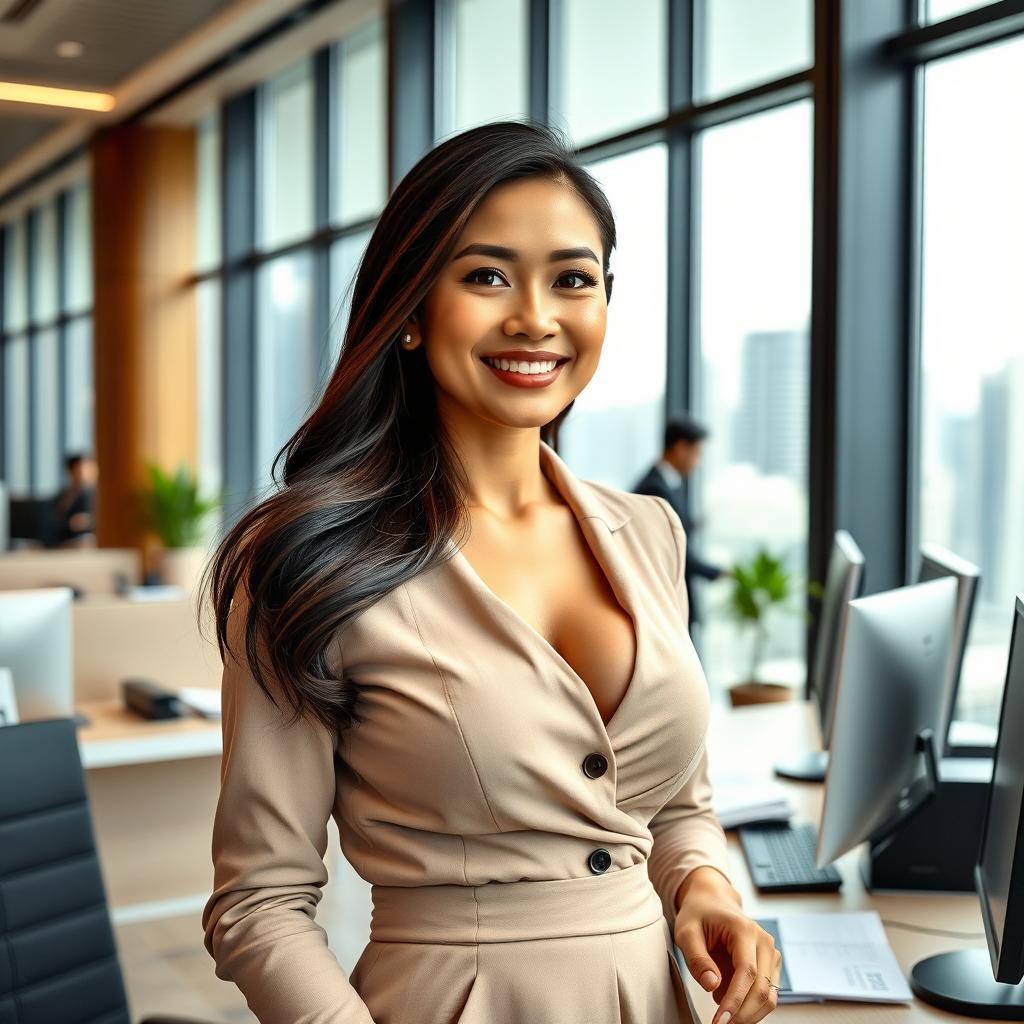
(58, 959)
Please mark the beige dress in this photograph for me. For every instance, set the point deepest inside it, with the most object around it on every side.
(523, 855)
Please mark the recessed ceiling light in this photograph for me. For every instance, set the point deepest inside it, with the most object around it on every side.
(70, 48)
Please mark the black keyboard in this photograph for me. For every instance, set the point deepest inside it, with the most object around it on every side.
(780, 857)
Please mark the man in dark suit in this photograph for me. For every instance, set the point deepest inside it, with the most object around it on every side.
(684, 439)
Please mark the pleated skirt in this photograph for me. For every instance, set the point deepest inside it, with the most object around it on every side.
(589, 950)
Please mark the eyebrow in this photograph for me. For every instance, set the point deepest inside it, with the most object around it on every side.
(500, 252)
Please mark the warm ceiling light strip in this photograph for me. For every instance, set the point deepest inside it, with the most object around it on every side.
(19, 92)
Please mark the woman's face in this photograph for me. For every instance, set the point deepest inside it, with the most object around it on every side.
(533, 296)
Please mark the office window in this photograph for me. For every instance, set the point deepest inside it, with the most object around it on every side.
(77, 253)
(614, 430)
(44, 263)
(939, 10)
(971, 472)
(209, 406)
(16, 275)
(478, 88)
(359, 185)
(754, 293)
(45, 405)
(78, 386)
(208, 241)
(609, 66)
(742, 43)
(346, 254)
(285, 140)
(285, 358)
(16, 415)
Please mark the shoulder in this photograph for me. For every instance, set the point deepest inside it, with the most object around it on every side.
(653, 521)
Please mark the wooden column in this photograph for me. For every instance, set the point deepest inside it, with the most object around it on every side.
(144, 217)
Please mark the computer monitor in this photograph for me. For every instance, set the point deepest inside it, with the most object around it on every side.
(937, 562)
(843, 583)
(968, 981)
(36, 645)
(5, 517)
(890, 703)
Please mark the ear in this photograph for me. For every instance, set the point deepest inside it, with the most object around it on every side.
(608, 279)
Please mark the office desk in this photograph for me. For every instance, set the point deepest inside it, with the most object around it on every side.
(153, 789)
(750, 739)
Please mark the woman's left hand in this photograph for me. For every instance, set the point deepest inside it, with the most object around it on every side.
(728, 953)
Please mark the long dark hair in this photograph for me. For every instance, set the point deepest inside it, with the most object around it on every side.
(372, 490)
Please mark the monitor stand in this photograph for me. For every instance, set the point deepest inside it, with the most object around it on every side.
(808, 767)
(962, 982)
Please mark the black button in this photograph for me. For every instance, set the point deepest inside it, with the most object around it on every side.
(600, 861)
(595, 765)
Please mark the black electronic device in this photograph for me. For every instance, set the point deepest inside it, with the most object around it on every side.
(149, 700)
(966, 981)
(780, 858)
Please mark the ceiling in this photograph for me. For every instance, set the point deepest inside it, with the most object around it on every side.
(118, 38)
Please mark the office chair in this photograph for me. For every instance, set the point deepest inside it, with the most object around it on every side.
(58, 959)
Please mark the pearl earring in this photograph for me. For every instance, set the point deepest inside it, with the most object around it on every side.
(407, 339)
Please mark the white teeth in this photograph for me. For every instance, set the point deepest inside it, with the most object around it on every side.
(522, 367)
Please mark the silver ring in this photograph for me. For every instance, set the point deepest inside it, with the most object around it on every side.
(771, 984)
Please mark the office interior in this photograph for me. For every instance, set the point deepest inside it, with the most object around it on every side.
(820, 220)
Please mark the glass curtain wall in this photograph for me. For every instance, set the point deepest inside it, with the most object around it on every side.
(971, 458)
(46, 340)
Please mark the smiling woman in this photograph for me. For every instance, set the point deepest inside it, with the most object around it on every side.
(526, 786)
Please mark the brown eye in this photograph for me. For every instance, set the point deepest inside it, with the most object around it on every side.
(471, 277)
(589, 281)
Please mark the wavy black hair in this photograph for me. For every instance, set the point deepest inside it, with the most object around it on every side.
(372, 490)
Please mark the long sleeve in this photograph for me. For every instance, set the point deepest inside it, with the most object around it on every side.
(686, 832)
(269, 840)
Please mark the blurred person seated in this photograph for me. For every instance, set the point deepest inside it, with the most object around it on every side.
(75, 504)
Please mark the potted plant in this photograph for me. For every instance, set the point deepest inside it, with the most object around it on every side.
(761, 585)
(177, 515)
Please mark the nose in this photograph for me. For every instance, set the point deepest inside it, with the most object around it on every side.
(532, 315)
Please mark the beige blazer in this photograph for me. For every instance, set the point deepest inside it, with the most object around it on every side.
(471, 769)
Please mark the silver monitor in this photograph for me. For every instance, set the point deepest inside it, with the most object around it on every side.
(843, 583)
(893, 677)
(973, 982)
(937, 562)
(36, 645)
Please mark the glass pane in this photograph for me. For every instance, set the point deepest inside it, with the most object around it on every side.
(939, 10)
(360, 165)
(208, 192)
(78, 249)
(44, 263)
(46, 392)
(16, 423)
(78, 386)
(16, 275)
(345, 256)
(286, 157)
(972, 344)
(608, 65)
(754, 297)
(742, 43)
(487, 89)
(210, 404)
(285, 363)
(615, 425)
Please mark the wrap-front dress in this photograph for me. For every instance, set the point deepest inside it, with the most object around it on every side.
(523, 855)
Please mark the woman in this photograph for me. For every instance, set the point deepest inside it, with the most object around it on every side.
(508, 727)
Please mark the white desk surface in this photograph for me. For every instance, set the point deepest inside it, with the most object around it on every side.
(750, 739)
(116, 736)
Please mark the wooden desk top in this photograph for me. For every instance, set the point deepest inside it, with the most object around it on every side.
(750, 739)
(115, 736)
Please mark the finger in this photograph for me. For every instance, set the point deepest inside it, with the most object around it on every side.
(744, 964)
(698, 960)
(762, 997)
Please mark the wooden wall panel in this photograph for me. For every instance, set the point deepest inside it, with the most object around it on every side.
(144, 215)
